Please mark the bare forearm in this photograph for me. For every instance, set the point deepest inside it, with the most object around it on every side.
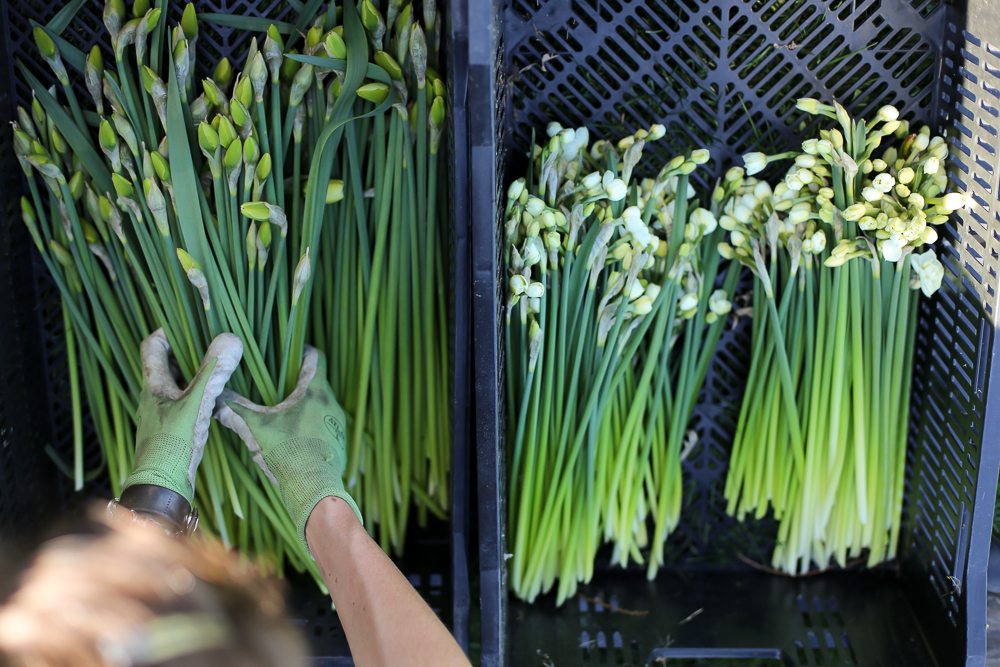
(385, 620)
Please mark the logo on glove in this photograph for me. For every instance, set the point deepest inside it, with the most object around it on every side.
(335, 427)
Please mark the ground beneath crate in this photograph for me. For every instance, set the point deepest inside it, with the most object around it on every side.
(993, 631)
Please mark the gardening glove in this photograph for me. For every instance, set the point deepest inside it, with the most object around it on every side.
(298, 443)
(173, 423)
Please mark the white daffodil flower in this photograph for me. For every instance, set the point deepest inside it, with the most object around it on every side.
(704, 220)
(892, 249)
(754, 163)
(535, 206)
(592, 180)
(688, 303)
(929, 271)
(719, 304)
(616, 189)
(953, 201)
(515, 190)
(871, 194)
(518, 284)
(887, 114)
(884, 183)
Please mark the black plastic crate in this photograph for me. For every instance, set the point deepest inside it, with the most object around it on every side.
(34, 387)
(724, 74)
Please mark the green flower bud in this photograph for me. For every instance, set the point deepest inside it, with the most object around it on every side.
(370, 17)
(160, 166)
(439, 88)
(208, 138)
(106, 135)
(289, 68)
(57, 142)
(189, 21)
(258, 76)
(157, 205)
(223, 73)
(37, 112)
(152, 18)
(313, 38)
(182, 62)
(213, 94)
(263, 168)
(437, 113)
(389, 64)
(234, 155)
(264, 235)
(104, 206)
(334, 191)
(114, 11)
(227, 133)
(251, 245)
(76, 185)
(31, 222)
(44, 42)
(22, 142)
(122, 185)
(251, 151)
(61, 254)
(303, 271)
(418, 54)
(300, 84)
(244, 91)
(239, 112)
(256, 210)
(373, 92)
(140, 7)
(273, 46)
(148, 78)
(335, 46)
(188, 263)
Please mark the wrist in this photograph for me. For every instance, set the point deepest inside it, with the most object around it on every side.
(331, 515)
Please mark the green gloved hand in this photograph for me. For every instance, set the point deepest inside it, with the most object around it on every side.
(299, 443)
(173, 423)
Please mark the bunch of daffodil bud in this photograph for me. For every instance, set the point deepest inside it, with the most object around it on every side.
(265, 218)
(836, 247)
(612, 281)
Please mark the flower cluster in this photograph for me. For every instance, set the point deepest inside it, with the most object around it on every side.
(582, 185)
(870, 190)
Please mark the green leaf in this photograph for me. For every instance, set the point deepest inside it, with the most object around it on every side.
(249, 23)
(373, 71)
(61, 20)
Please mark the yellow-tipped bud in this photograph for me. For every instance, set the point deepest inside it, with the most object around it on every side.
(375, 92)
(44, 42)
(334, 191)
(122, 185)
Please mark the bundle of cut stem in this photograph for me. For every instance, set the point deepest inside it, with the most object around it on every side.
(388, 353)
(611, 320)
(821, 438)
(140, 231)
